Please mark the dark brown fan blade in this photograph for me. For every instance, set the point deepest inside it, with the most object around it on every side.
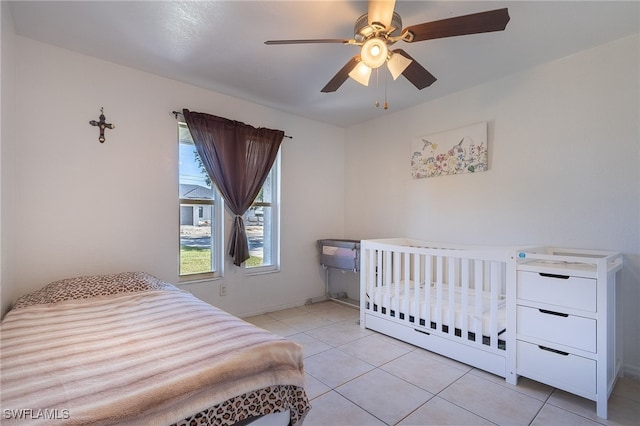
(416, 73)
(483, 22)
(341, 76)
(316, 40)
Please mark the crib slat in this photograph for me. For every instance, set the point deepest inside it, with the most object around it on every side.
(388, 269)
(496, 280)
(451, 278)
(365, 280)
(395, 304)
(478, 308)
(439, 284)
(379, 274)
(417, 279)
(406, 264)
(428, 280)
(465, 283)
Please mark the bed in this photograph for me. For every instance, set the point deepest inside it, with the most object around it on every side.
(131, 349)
(444, 298)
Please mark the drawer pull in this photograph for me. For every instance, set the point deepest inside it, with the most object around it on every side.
(555, 351)
(559, 314)
(562, 277)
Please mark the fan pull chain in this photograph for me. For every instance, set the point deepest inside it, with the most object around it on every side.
(386, 106)
(377, 86)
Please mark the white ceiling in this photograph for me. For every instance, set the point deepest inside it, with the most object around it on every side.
(218, 45)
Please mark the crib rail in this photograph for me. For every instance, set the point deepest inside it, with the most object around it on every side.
(455, 292)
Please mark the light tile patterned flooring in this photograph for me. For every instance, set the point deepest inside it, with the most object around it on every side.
(359, 377)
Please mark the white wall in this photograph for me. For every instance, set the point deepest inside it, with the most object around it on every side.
(564, 167)
(7, 82)
(78, 201)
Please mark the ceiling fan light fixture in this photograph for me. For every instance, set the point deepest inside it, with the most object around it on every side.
(397, 64)
(374, 52)
(376, 33)
(361, 73)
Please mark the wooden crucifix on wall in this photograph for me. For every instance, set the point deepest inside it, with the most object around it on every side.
(102, 124)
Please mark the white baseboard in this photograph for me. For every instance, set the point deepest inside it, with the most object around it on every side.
(283, 306)
(632, 371)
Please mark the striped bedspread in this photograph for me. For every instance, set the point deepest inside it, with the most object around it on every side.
(144, 357)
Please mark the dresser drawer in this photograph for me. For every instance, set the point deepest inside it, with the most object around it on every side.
(569, 372)
(570, 330)
(558, 290)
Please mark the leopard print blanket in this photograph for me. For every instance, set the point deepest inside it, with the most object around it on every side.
(92, 286)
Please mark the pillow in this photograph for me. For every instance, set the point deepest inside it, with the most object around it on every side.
(92, 286)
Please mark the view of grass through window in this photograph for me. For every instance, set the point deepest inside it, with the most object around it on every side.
(194, 260)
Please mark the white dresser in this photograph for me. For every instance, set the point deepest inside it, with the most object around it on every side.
(568, 311)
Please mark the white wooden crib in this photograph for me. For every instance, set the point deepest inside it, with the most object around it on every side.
(448, 299)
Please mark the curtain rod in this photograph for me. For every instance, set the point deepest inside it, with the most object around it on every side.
(176, 113)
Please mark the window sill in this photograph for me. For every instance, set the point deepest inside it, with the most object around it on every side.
(261, 271)
(198, 278)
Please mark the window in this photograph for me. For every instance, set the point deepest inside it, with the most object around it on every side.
(201, 214)
(262, 223)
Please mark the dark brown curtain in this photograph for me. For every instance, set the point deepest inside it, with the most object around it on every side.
(238, 158)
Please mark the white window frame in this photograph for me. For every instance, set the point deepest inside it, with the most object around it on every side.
(217, 232)
(274, 266)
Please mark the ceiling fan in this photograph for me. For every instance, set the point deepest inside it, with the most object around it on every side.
(380, 28)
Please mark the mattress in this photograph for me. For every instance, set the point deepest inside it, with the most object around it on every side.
(476, 318)
(131, 349)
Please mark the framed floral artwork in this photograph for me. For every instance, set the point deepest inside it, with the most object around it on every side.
(456, 151)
